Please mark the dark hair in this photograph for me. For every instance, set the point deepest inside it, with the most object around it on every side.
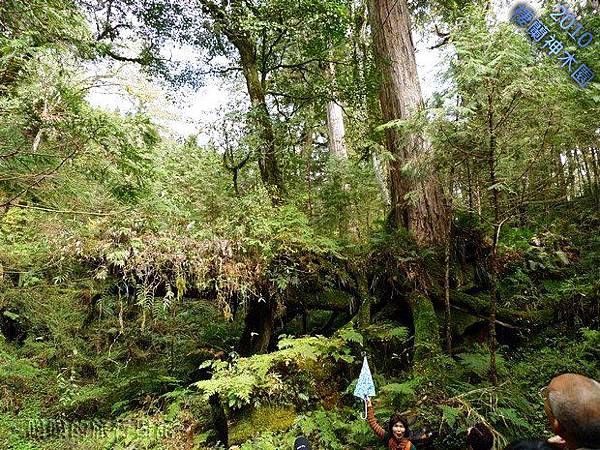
(301, 443)
(394, 420)
(480, 437)
(531, 445)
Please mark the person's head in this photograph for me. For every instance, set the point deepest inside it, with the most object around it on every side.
(572, 403)
(301, 443)
(398, 426)
(480, 437)
(531, 445)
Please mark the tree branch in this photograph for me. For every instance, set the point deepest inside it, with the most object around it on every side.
(121, 58)
(509, 109)
(443, 42)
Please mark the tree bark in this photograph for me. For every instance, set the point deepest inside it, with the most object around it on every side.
(267, 160)
(469, 187)
(307, 149)
(246, 47)
(586, 167)
(495, 201)
(381, 181)
(594, 162)
(335, 120)
(364, 311)
(336, 130)
(417, 200)
(361, 57)
(427, 334)
(258, 326)
(219, 419)
(447, 311)
(400, 98)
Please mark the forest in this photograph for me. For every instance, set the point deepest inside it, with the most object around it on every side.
(220, 288)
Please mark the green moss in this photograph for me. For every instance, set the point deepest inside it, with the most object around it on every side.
(266, 418)
(427, 335)
(480, 304)
(460, 321)
(331, 299)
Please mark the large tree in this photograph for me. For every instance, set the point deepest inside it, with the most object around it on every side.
(259, 39)
(231, 22)
(417, 200)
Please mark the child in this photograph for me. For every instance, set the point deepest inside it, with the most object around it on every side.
(395, 436)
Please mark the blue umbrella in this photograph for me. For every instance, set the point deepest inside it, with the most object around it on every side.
(365, 387)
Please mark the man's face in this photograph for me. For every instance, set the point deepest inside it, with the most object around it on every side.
(398, 430)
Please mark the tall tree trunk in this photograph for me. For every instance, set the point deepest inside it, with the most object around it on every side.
(469, 187)
(586, 167)
(478, 193)
(400, 98)
(570, 174)
(307, 148)
(425, 215)
(361, 57)
(219, 419)
(267, 160)
(364, 311)
(495, 201)
(594, 159)
(447, 310)
(259, 319)
(579, 171)
(246, 47)
(427, 333)
(335, 120)
(447, 265)
(336, 130)
(381, 181)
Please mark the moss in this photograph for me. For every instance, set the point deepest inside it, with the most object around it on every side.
(332, 299)
(460, 321)
(265, 418)
(427, 335)
(364, 311)
(480, 304)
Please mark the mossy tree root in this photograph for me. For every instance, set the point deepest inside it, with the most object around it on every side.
(427, 333)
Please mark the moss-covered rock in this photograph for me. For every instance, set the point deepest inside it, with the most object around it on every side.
(262, 419)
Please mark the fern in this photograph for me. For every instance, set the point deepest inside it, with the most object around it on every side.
(478, 362)
(273, 376)
(387, 332)
(450, 415)
(402, 389)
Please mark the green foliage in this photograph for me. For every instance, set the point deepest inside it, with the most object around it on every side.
(406, 390)
(478, 362)
(592, 340)
(327, 429)
(386, 332)
(276, 376)
(128, 260)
